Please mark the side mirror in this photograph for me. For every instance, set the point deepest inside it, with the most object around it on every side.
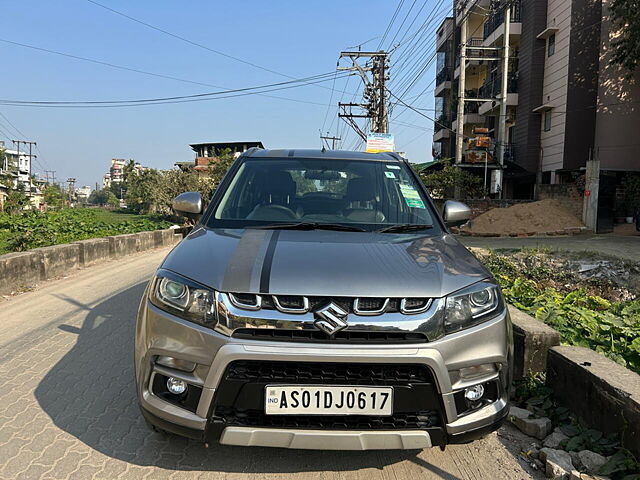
(455, 213)
(188, 204)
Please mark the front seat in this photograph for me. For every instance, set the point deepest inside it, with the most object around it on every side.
(277, 193)
(360, 199)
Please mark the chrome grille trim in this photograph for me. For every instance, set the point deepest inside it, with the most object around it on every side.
(358, 311)
(283, 309)
(246, 306)
(414, 311)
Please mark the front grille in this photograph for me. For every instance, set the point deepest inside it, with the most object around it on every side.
(257, 418)
(365, 304)
(328, 373)
(240, 395)
(317, 336)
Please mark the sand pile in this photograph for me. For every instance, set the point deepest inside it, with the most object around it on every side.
(543, 216)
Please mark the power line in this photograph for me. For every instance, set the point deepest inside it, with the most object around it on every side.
(163, 100)
(143, 72)
(186, 40)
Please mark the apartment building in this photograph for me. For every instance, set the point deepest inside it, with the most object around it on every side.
(566, 102)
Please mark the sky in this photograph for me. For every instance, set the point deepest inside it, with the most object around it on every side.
(292, 38)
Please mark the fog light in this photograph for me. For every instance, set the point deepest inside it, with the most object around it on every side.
(474, 393)
(176, 386)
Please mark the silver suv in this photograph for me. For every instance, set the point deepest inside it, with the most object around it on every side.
(320, 302)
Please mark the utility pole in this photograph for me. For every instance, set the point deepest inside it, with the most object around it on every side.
(502, 121)
(374, 75)
(461, 91)
(334, 140)
(71, 182)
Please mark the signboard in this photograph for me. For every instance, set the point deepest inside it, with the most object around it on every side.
(380, 142)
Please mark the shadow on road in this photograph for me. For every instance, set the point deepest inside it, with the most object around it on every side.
(90, 394)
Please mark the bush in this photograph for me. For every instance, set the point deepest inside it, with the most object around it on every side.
(38, 229)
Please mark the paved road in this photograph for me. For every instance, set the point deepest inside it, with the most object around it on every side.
(68, 410)
(625, 247)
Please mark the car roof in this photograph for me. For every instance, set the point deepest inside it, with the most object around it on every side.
(328, 154)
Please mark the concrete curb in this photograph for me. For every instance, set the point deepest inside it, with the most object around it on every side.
(567, 231)
(23, 270)
(601, 392)
(532, 340)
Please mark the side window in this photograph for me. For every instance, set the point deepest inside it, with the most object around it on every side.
(551, 45)
(547, 120)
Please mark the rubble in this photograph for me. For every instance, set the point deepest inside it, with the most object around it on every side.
(553, 440)
(534, 427)
(590, 461)
(558, 465)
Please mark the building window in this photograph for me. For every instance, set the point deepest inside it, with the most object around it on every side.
(551, 45)
(547, 120)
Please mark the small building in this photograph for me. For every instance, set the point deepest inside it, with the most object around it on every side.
(206, 153)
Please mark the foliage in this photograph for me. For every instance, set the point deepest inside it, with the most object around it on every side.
(532, 394)
(143, 190)
(610, 328)
(631, 194)
(103, 197)
(32, 229)
(445, 182)
(625, 17)
(53, 196)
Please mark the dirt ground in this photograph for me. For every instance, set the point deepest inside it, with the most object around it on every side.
(527, 218)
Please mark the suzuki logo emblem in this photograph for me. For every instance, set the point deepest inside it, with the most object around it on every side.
(331, 319)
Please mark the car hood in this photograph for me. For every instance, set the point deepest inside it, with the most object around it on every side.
(325, 263)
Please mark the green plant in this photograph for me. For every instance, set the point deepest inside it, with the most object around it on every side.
(610, 328)
(446, 182)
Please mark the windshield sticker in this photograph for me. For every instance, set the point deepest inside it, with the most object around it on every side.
(389, 175)
(411, 196)
(393, 167)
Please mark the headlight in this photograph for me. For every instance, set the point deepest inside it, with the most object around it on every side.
(184, 298)
(471, 306)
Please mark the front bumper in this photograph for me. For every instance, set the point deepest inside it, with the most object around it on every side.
(159, 333)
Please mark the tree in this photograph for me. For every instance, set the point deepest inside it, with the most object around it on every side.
(53, 196)
(625, 20)
(445, 182)
(143, 191)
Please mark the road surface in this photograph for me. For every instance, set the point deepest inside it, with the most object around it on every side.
(68, 409)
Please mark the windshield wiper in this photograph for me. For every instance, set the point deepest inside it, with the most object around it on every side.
(404, 227)
(310, 226)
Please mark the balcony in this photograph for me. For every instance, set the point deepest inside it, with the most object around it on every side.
(497, 19)
(443, 81)
(440, 130)
(492, 87)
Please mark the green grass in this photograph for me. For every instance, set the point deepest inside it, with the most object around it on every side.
(37, 229)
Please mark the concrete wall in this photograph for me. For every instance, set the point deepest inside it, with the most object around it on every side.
(602, 393)
(567, 193)
(554, 90)
(20, 271)
(532, 340)
(618, 113)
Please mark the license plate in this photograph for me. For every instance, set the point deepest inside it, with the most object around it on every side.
(327, 400)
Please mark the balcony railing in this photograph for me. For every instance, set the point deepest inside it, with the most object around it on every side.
(492, 87)
(440, 123)
(443, 76)
(497, 19)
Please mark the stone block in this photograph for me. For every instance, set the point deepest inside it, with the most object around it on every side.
(534, 427)
(558, 464)
(92, 251)
(146, 241)
(58, 260)
(122, 245)
(19, 270)
(532, 340)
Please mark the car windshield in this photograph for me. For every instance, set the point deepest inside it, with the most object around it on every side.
(290, 193)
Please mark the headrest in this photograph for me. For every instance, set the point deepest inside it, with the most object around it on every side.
(277, 183)
(359, 189)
